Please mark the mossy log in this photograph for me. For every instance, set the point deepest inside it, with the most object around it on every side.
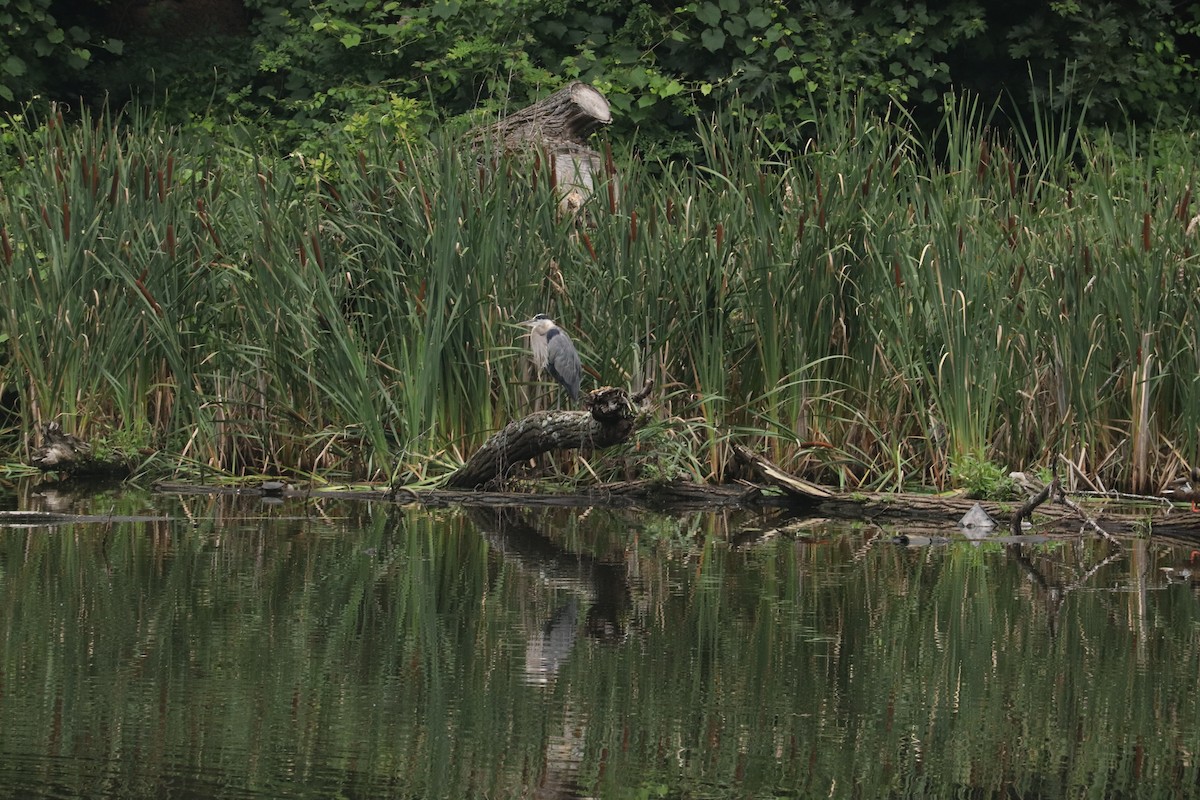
(611, 417)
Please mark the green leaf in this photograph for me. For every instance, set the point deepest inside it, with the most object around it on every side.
(713, 39)
(730, 6)
(672, 88)
(444, 9)
(13, 65)
(350, 40)
(709, 14)
(758, 17)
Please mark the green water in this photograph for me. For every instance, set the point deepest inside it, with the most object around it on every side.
(324, 650)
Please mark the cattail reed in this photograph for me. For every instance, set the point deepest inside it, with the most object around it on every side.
(849, 331)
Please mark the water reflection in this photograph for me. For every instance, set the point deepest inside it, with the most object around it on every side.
(237, 649)
(549, 647)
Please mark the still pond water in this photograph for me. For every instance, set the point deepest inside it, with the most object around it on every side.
(245, 649)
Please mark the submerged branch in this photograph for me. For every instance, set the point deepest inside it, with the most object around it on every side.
(1087, 521)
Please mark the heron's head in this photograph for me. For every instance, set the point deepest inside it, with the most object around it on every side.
(540, 325)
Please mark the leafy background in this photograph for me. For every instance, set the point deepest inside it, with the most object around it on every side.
(305, 66)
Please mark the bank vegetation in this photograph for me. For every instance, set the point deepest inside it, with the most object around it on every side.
(879, 308)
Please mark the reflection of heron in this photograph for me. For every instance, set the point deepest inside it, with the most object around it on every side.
(554, 352)
(547, 651)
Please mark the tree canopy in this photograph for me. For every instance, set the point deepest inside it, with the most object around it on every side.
(306, 66)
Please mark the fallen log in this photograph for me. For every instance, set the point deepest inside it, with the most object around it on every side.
(905, 512)
(611, 417)
(772, 475)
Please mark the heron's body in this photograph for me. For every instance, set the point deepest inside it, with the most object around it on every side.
(553, 352)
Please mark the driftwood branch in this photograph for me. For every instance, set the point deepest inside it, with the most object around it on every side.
(1053, 490)
(1087, 520)
(611, 417)
(772, 475)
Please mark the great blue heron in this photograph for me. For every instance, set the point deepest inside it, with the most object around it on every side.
(553, 351)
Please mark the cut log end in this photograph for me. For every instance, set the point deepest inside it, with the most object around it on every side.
(591, 102)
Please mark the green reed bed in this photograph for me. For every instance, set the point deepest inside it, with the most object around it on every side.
(873, 307)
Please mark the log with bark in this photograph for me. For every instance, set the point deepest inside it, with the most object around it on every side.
(611, 417)
(558, 125)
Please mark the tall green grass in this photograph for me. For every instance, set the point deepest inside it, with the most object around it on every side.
(872, 306)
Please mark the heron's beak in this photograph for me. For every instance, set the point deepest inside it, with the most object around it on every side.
(527, 323)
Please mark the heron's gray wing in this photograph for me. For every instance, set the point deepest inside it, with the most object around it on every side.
(564, 362)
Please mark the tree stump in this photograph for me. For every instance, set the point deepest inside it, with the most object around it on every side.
(558, 125)
(67, 454)
(611, 417)
(60, 451)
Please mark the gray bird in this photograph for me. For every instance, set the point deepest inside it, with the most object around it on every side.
(553, 351)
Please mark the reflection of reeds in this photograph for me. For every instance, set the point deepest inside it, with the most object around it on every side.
(869, 308)
(386, 651)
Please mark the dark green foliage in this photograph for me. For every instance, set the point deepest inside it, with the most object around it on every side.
(307, 66)
(45, 44)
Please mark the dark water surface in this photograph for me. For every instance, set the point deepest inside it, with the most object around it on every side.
(255, 650)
